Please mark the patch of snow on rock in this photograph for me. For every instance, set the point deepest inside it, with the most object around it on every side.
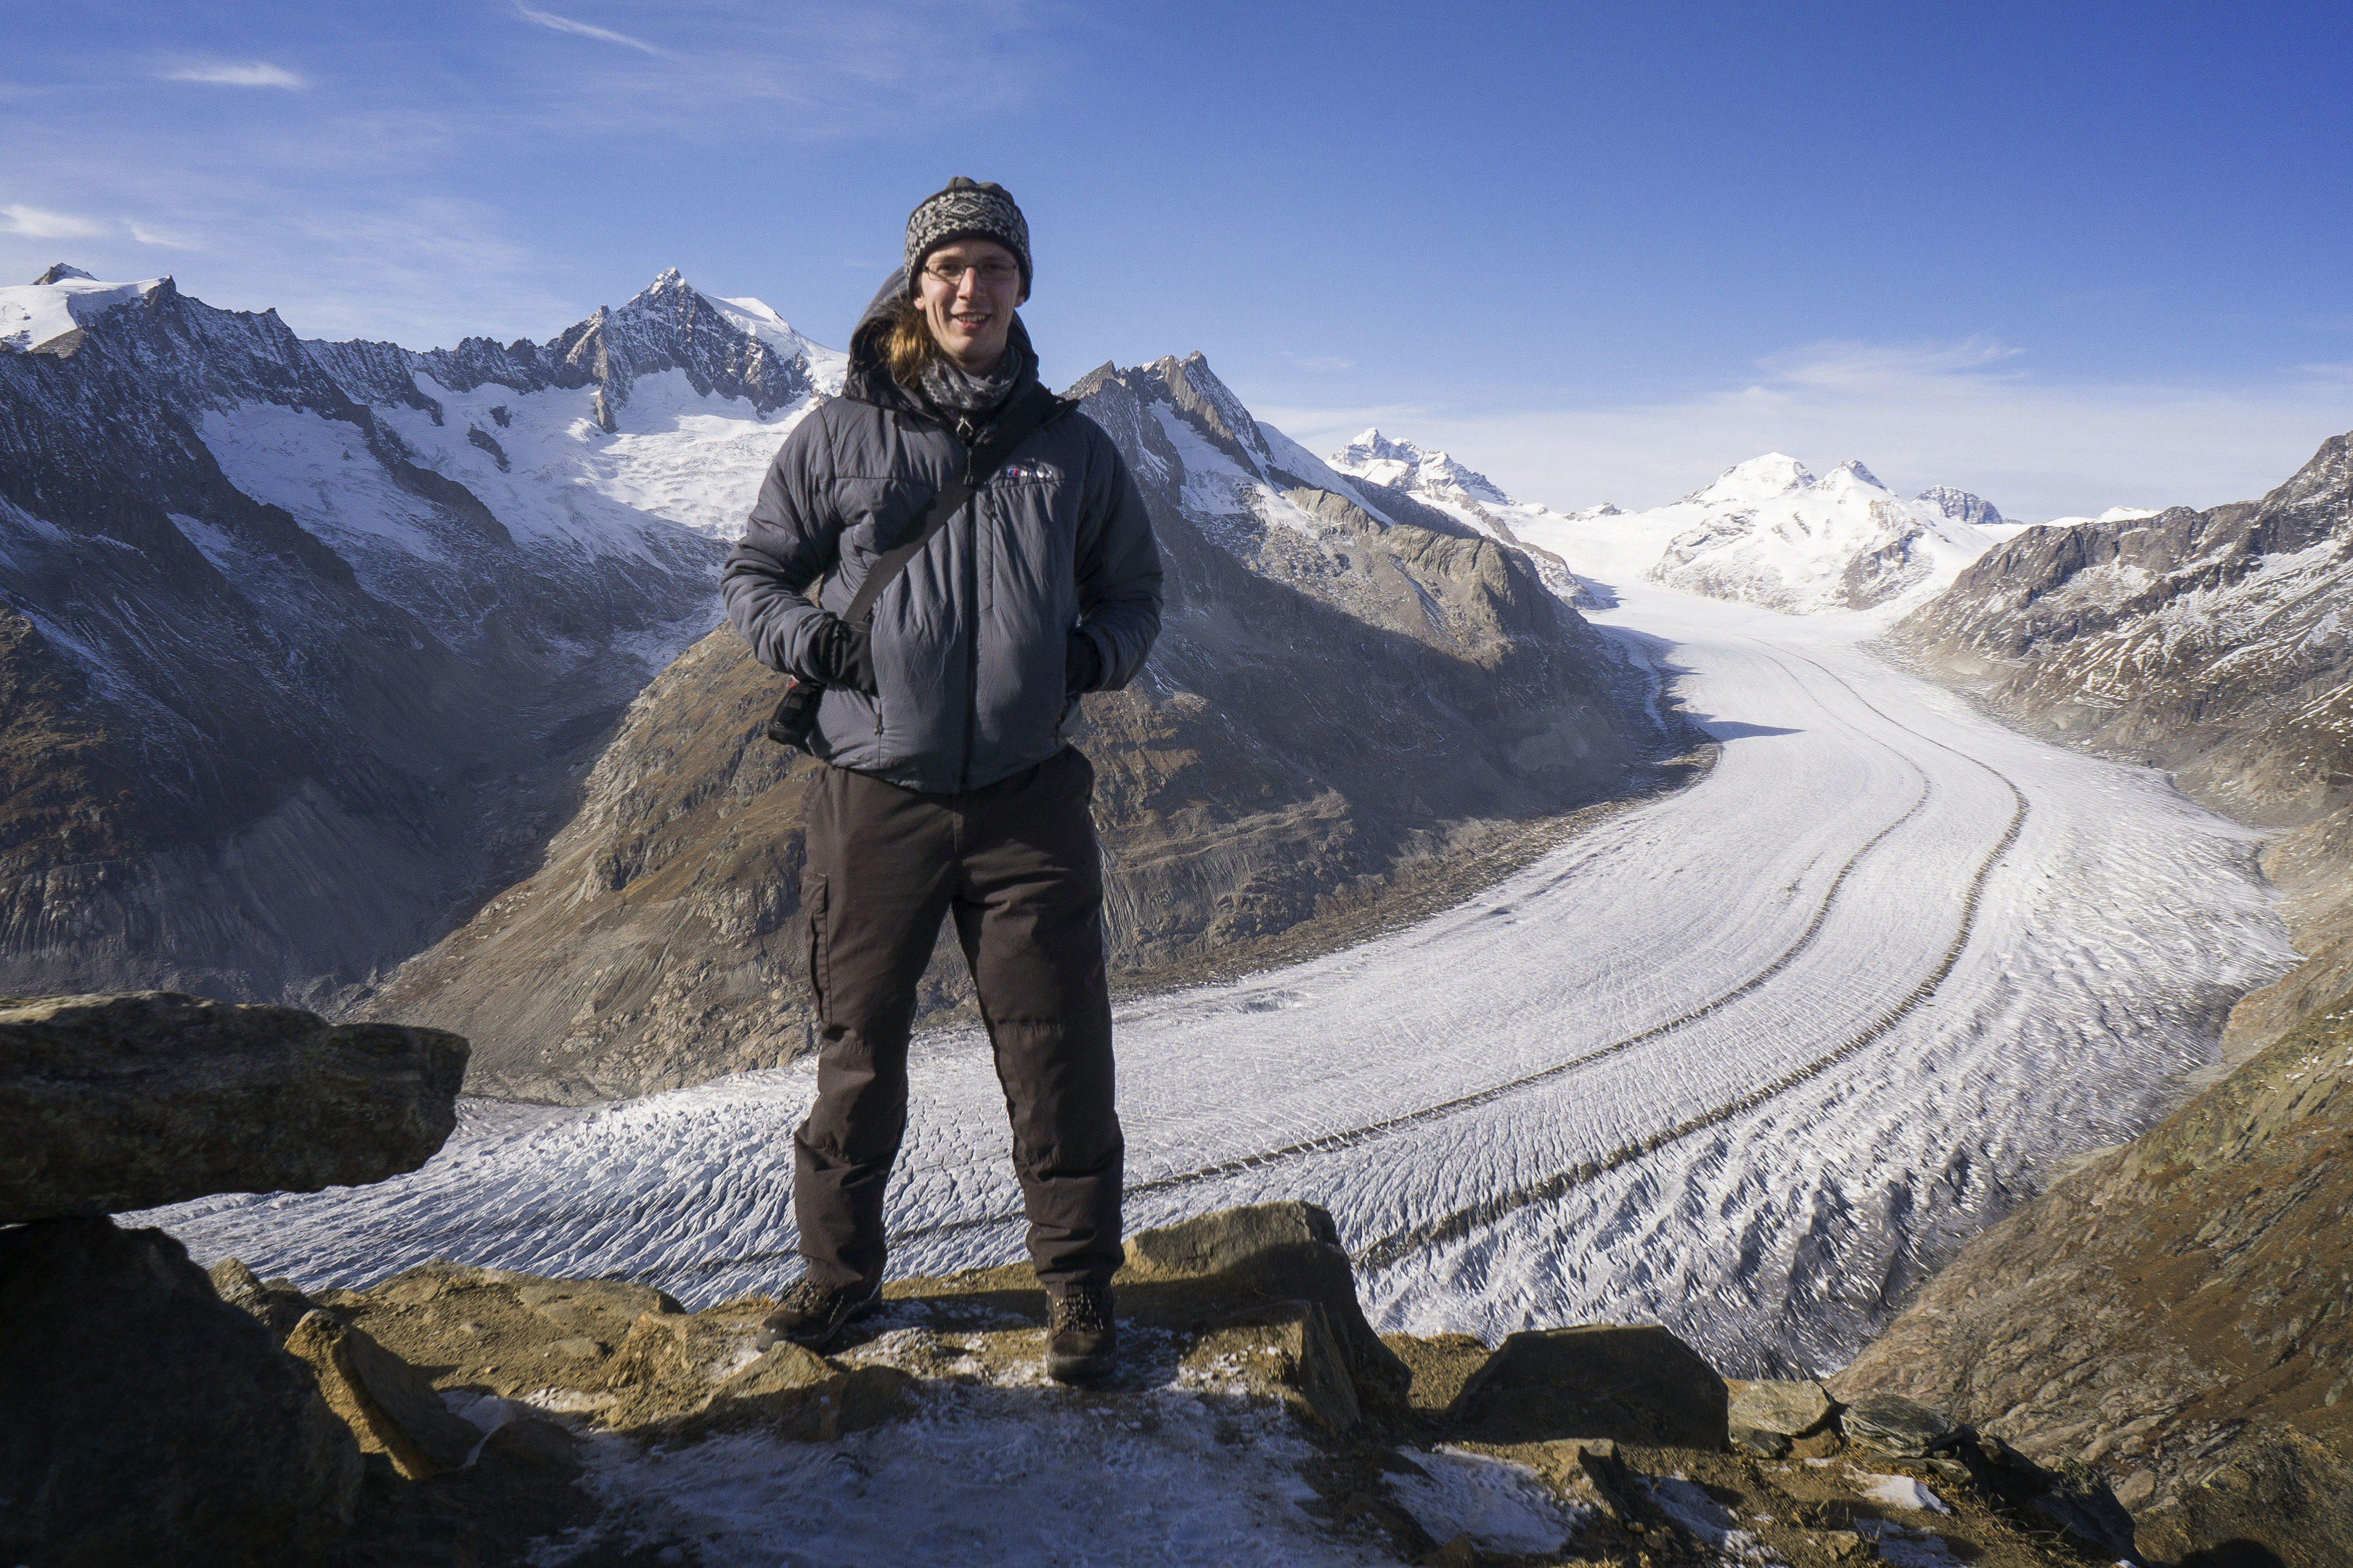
(1501, 1506)
(1688, 1504)
(980, 1477)
(1899, 1491)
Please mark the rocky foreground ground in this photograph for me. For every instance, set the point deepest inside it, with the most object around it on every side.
(2145, 1365)
(502, 1417)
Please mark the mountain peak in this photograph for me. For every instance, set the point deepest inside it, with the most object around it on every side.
(1376, 457)
(1961, 505)
(1194, 388)
(668, 286)
(48, 315)
(1374, 446)
(1759, 478)
(1853, 470)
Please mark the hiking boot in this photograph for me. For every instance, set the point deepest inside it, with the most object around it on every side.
(811, 1316)
(1082, 1342)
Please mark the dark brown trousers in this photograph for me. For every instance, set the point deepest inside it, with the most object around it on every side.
(1017, 865)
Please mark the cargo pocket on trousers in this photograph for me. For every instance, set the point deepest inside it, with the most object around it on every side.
(813, 905)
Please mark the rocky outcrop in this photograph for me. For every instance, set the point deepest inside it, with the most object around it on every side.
(151, 1413)
(1341, 704)
(146, 1422)
(115, 1103)
(1407, 1448)
(2175, 1314)
(390, 1408)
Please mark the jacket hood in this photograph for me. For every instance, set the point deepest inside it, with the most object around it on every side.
(868, 380)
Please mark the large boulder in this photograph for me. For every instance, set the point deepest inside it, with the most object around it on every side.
(1631, 1384)
(113, 1103)
(147, 1422)
(1259, 1255)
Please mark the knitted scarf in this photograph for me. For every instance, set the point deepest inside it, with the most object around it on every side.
(958, 394)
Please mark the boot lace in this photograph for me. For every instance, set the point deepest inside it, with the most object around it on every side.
(1081, 1310)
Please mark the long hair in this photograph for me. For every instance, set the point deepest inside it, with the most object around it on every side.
(907, 342)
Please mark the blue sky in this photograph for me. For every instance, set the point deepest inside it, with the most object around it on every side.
(2066, 256)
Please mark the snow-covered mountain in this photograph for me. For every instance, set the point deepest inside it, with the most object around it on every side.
(1768, 532)
(1351, 690)
(1765, 532)
(1438, 492)
(1962, 507)
(1402, 465)
(303, 638)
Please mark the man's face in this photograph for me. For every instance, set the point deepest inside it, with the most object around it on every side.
(967, 290)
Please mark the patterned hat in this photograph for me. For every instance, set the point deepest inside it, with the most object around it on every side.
(967, 210)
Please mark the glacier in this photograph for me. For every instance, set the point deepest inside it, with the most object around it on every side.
(1749, 1059)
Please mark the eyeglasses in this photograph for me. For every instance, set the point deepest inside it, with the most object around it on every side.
(991, 272)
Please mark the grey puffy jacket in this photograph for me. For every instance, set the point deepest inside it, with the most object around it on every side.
(970, 641)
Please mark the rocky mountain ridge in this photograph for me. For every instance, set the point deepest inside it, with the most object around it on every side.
(1344, 699)
(2216, 643)
(300, 640)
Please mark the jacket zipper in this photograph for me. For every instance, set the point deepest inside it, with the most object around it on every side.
(966, 433)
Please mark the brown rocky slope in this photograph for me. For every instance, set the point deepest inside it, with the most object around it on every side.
(2177, 1313)
(1340, 704)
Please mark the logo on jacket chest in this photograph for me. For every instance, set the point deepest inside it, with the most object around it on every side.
(1030, 474)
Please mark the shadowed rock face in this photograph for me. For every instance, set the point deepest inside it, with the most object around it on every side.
(146, 1422)
(2218, 644)
(1336, 695)
(1631, 1384)
(115, 1103)
(2178, 1313)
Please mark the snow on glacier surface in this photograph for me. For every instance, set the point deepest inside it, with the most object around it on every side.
(675, 455)
(677, 459)
(1747, 1059)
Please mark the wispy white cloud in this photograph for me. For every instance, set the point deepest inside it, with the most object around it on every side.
(38, 222)
(1962, 413)
(161, 240)
(587, 31)
(1321, 363)
(258, 73)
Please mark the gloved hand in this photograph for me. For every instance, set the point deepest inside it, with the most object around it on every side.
(842, 655)
(1083, 667)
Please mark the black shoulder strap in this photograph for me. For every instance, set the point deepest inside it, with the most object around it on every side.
(1013, 427)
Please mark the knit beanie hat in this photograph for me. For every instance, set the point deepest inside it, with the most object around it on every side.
(966, 210)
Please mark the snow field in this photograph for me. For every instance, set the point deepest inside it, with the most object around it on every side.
(33, 314)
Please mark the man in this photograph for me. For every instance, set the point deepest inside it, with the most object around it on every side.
(951, 789)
